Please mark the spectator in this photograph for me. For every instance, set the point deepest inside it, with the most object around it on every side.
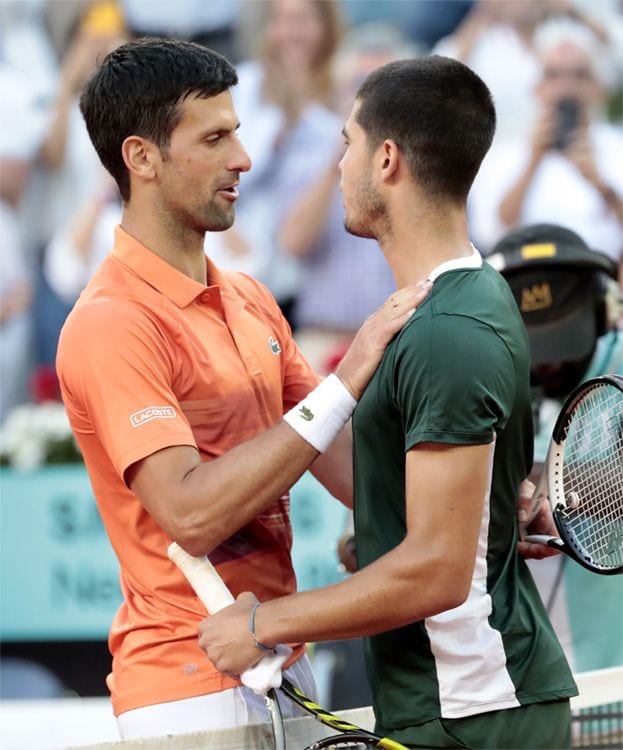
(68, 173)
(346, 277)
(284, 99)
(495, 40)
(22, 130)
(570, 303)
(568, 172)
(69, 161)
(572, 308)
(15, 318)
(30, 71)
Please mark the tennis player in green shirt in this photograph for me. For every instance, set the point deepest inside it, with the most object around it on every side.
(459, 649)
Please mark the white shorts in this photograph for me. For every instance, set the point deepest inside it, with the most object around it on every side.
(229, 708)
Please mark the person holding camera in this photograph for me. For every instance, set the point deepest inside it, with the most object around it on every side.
(568, 171)
(572, 308)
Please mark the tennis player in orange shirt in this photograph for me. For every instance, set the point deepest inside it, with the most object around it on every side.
(182, 384)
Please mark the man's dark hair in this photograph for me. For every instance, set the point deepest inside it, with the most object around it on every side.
(439, 113)
(137, 91)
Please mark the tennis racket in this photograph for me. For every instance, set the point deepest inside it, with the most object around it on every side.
(583, 477)
(214, 595)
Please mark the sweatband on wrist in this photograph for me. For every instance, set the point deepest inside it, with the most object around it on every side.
(259, 645)
(320, 416)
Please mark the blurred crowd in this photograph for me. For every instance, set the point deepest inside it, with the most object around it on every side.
(555, 68)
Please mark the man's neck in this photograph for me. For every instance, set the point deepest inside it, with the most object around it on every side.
(182, 250)
(422, 241)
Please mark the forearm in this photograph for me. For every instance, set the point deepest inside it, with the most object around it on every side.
(611, 199)
(307, 218)
(390, 593)
(14, 175)
(429, 572)
(466, 38)
(53, 147)
(273, 462)
(511, 206)
(334, 468)
(218, 497)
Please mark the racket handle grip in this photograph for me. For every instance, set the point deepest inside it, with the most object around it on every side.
(202, 576)
(550, 541)
(214, 595)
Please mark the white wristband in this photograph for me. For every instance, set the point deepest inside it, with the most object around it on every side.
(322, 413)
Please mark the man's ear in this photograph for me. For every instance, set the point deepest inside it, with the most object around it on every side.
(141, 157)
(389, 156)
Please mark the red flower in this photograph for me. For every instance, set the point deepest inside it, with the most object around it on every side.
(44, 384)
(335, 355)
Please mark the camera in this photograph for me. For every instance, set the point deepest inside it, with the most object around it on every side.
(567, 120)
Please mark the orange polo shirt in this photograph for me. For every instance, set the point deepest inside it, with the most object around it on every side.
(149, 358)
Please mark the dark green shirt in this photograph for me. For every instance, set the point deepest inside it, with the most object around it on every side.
(457, 373)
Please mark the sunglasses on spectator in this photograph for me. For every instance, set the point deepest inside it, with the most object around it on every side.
(579, 73)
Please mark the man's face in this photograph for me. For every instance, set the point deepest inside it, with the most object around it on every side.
(295, 32)
(364, 207)
(202, 165)
(567, 74)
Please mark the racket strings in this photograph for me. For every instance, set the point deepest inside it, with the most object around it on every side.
(592, 476)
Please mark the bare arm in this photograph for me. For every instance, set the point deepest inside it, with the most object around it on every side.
(511, 205)
(334, 468)
(77, 66)
(428, 573)
(52, 151)
(307, 218)
(478, 19)
(580, 153)
(200, 504)
(567, 7)
(541, 523)
(14, 176)
(79, 62)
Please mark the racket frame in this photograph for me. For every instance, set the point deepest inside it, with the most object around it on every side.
(551, 485)
(214, 595)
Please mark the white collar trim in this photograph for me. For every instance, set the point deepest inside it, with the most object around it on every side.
(473, 261)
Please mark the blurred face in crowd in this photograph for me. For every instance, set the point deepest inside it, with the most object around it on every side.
(364, 208)
(567, 73)
(295, 32)
(201, 167)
